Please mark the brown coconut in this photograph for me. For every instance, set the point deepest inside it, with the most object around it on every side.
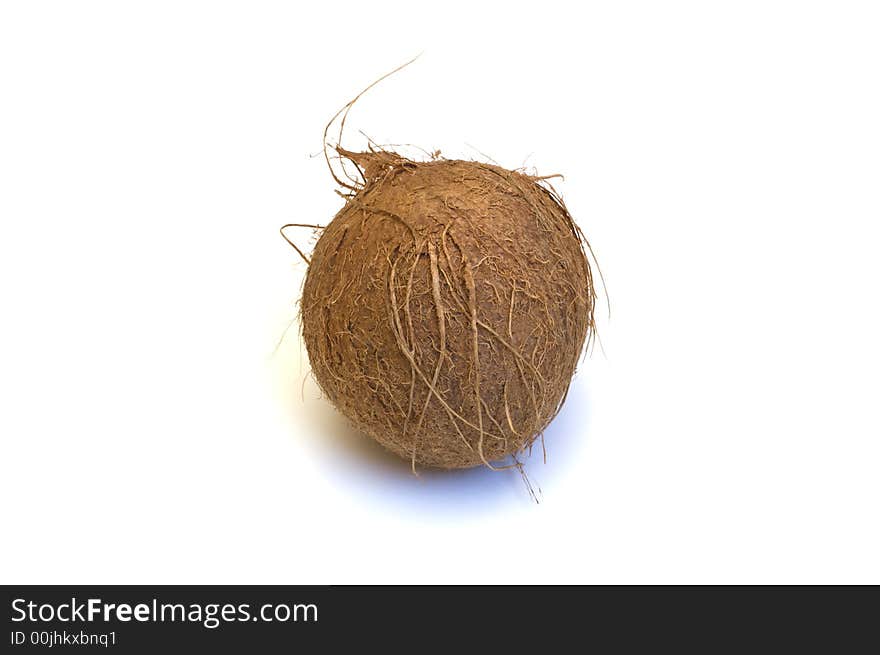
(446, 306)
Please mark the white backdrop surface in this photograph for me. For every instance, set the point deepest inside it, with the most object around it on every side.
(721, 157)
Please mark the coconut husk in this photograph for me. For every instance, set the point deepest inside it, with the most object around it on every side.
(446, 306)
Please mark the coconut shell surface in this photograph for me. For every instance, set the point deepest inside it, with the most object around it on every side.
(446, 307)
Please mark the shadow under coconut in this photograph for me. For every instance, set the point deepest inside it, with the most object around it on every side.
(356, 461)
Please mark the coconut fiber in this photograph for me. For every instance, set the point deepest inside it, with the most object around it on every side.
(446, 306)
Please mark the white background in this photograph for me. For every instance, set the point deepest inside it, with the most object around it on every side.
(723, 159)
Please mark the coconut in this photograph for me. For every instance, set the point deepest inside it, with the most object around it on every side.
(446, 307)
